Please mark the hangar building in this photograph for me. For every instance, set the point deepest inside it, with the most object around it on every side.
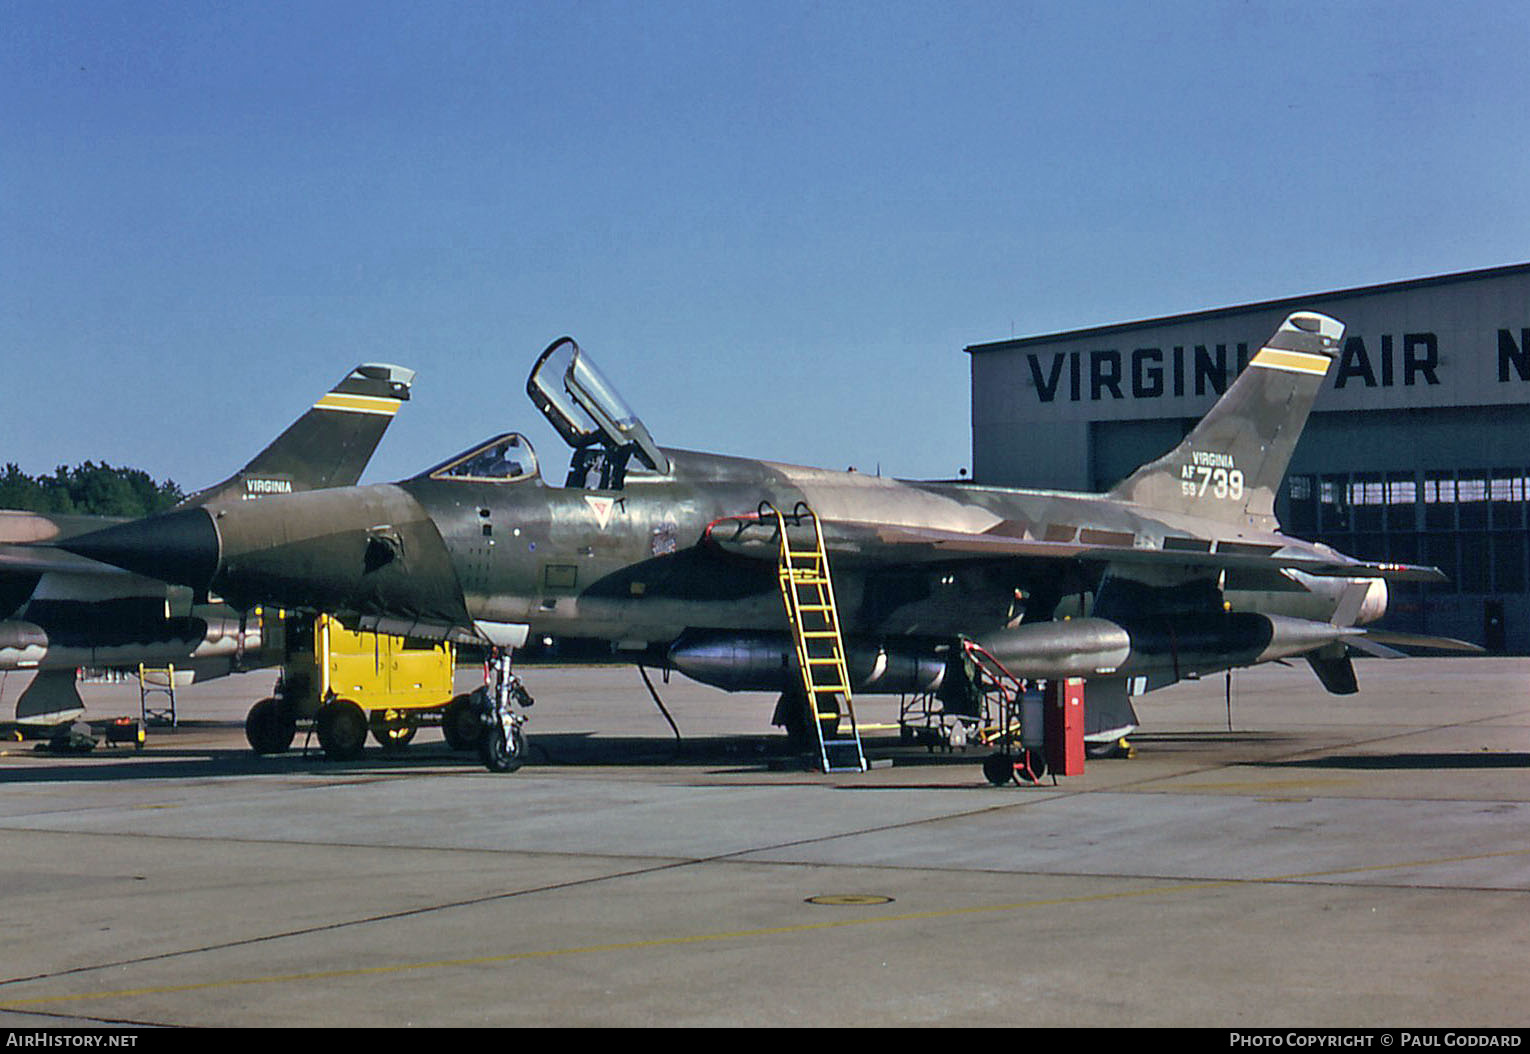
(1416, 449)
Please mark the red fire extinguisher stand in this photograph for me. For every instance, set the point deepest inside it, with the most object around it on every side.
(1064, 724)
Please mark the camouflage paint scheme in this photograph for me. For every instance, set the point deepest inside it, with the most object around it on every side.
(1179, 570)
(60, 611)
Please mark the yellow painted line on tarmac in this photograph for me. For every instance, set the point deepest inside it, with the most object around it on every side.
(1401, 865)
(1169, 785)
(738, 935)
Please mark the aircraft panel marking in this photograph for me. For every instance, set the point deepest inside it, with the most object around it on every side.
(1291, 361)
(602, 507)
(1223, 482)
(359, 404)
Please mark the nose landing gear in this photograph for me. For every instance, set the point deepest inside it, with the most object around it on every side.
(503, 745)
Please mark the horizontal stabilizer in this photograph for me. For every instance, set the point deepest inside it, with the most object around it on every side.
(1375, 649)
(1421, 642)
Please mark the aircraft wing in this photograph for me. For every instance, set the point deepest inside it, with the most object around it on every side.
(1116, 548)
(39, 560)
(874, 542)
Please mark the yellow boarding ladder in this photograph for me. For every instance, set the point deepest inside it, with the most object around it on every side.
(808, 592)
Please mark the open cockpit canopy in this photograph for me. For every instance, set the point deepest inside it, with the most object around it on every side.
(591, 416)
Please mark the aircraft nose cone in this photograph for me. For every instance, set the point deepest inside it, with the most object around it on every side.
(180, 547)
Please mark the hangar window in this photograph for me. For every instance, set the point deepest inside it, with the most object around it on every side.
(1333, 504)
(1402, 502)
(1471, 502)
(1439, 501)
(1506, 488)
(1367, 491)
(1507, 494)
(1473, 524)
(1367, 497)
(1302, 517)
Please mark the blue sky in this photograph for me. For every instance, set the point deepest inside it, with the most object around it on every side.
(776, 226)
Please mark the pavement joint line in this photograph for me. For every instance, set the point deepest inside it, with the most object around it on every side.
(670, 863)
(1147, 781)
(728, 935)
(594, 949)
(742, 855)
(348, 923)
(1166, 885)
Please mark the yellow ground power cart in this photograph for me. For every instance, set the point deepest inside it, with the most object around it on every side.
(347, 682)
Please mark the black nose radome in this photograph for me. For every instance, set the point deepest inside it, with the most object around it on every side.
(179, 547)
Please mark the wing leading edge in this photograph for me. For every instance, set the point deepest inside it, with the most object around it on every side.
(883, 543)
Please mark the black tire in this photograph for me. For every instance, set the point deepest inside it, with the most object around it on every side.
(498, 755)
(393, 729)
(999, 769)
(269, 728)
(795, 714)
(342, 728)
(461, 725)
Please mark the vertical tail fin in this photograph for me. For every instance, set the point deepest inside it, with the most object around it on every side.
(1230, 466)
(329, 446)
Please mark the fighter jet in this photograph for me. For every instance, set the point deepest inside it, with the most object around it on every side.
(59, 611)
(675, 556)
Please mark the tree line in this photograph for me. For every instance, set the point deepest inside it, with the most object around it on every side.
(88, 489)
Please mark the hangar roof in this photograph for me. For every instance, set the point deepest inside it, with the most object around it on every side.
(1292, 302)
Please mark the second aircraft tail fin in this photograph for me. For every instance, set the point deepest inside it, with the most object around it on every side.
(1231, 464)
(329, 446)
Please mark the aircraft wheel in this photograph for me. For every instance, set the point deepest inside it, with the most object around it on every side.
(393, 728)
(499, 755)
(792, 715)
(269, 728)
(342, 729)
(794, 712)
(461, 725)
(999, 769)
